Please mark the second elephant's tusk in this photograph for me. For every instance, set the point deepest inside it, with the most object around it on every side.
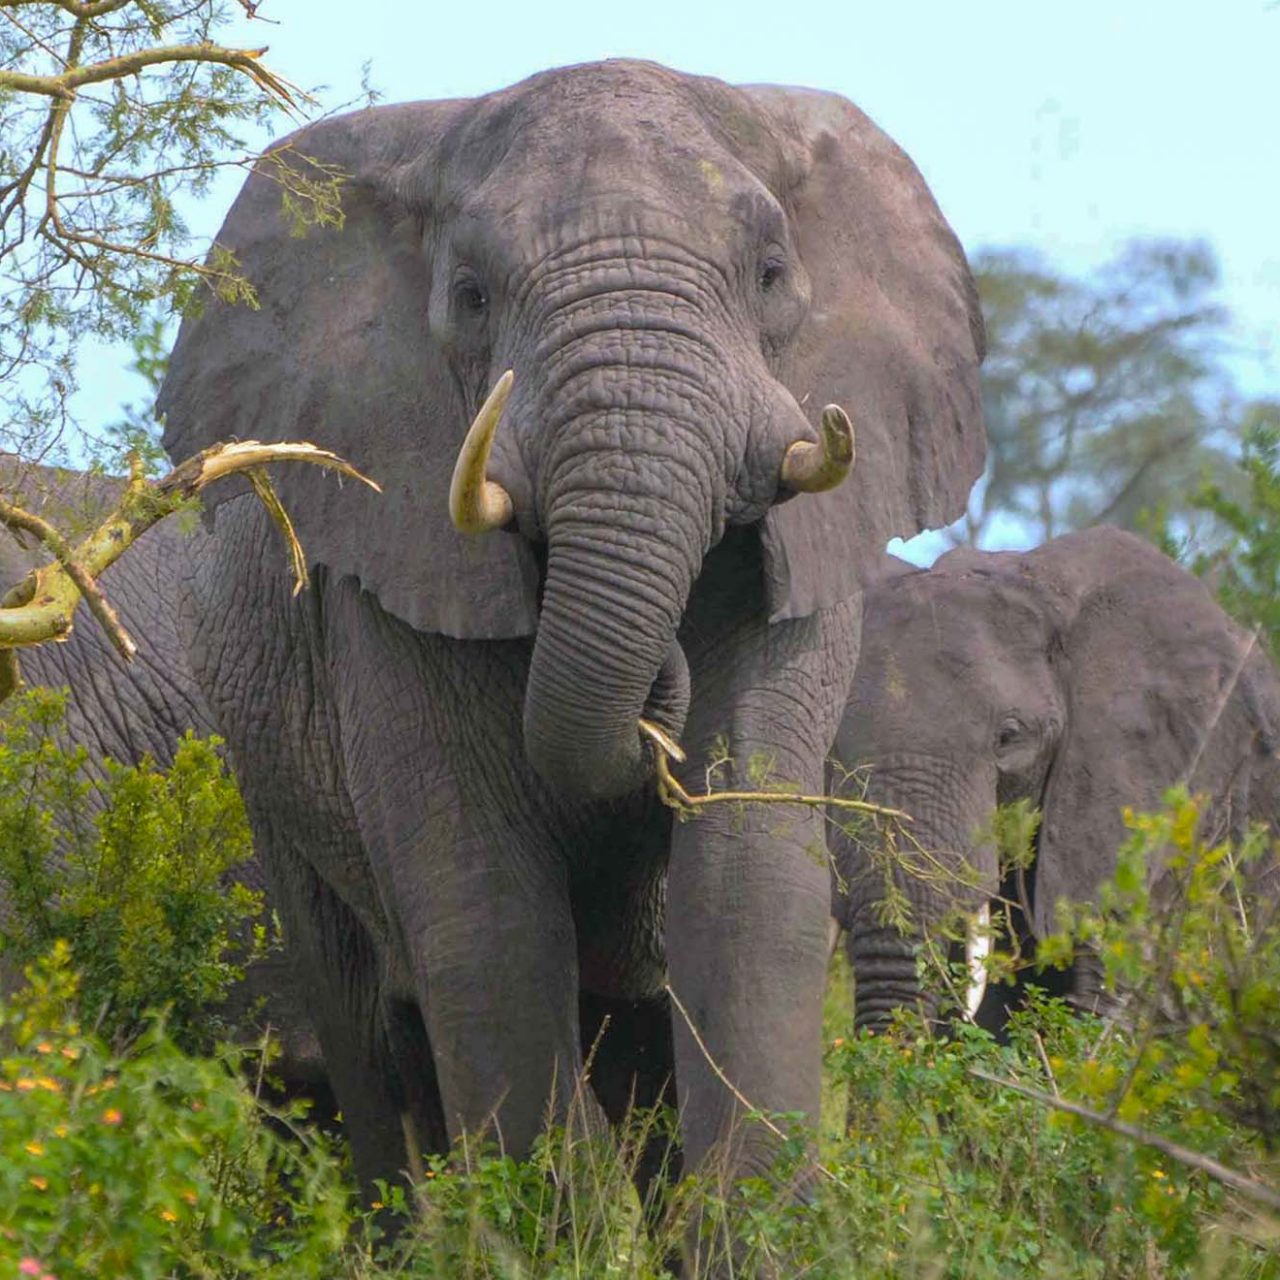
(477, 504)
(976, 950)
(814, 468)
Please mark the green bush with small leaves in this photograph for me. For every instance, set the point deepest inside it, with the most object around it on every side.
(131, 867)
(1139, 1147)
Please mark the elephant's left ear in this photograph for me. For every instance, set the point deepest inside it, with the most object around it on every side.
(337, 349)
(1162, 688)
(894, 335)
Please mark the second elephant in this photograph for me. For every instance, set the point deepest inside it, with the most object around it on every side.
(1089, 674)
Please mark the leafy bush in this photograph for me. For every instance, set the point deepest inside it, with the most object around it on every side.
(149, 1162)
(130, 867)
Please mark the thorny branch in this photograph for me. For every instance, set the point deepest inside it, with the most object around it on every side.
(674, 796)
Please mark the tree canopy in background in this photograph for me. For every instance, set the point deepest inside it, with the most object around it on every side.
(113, 114)
(1106, 395)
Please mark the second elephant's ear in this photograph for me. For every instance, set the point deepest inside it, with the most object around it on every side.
(1160, 690)
(337, 351)
(894, 335)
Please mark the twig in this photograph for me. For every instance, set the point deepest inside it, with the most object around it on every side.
(42, 606)
(674, 796)
(1048, 1068)
(1246, 1186)
(742, 1099)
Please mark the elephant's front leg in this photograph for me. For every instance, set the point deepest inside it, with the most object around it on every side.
(749, 896)
(464, 854)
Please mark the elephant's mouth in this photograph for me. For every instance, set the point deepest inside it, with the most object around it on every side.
(668, 702)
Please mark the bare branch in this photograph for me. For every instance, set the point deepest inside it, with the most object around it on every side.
(1246, 1186)
(43, 606)
(65, 85)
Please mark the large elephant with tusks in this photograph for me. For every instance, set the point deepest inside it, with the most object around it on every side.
(439, 743)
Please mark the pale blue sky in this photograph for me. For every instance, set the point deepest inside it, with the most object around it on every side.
(1064, 126)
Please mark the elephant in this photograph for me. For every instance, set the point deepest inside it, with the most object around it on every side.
(125, 711)
(1087, 675)
(638, 287)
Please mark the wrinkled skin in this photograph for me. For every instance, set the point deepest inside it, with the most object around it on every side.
(1084, 676)
(438, 743)
(124, 711)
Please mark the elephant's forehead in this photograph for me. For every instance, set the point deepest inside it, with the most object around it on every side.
(626, 132)
(955, 617)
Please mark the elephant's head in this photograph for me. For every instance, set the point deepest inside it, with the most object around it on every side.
(680, 274)
(1084, 676)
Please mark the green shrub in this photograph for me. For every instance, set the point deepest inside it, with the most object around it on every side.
(131, 869)
(149, 1162)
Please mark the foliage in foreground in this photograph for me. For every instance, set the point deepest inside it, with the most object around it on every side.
(944, 1157)
(129, 866)
(149, 1162)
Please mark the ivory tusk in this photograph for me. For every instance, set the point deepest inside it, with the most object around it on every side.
(977, 948)
(476, 504)
(833, 938)
(814, 468)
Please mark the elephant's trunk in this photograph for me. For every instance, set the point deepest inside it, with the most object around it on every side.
(884, 962)
(606, 652)
(938, 867)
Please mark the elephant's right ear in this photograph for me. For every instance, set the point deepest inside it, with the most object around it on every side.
(337, 351)
(894, 335)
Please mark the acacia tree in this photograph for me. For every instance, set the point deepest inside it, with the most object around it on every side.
(111, 113)
(1105, 395)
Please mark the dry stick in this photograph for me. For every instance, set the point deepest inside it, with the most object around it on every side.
(42, 606)
(674, 796)
(728, 1084)
(1249, 1187)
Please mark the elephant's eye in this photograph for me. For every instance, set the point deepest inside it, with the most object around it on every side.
(1009, 733)
(469, 297)
(772, 271)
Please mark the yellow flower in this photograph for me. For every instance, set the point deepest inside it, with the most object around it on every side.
(112, 1115)
(168, 1215)
(61, 1131)
(45, 1082)
(189, 1197)
(1158, 1173)
(377, 1204)
(26, 1084)
(38, 1182)
(69, 1053)
(35, 1148)
(44, 1047)
(837, 1042)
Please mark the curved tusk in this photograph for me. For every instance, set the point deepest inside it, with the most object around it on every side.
(478, 505)
(833, 937)
(977, 948)
(814, 468)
